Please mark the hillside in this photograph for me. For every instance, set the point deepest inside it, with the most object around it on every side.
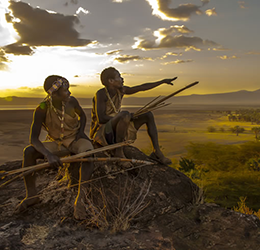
(242, 97)
(149, 207)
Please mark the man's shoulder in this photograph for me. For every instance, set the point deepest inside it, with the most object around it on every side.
(42, 106)
(102, 90)
(101, 93)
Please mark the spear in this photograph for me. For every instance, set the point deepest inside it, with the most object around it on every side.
(156, 104)
(30, 169)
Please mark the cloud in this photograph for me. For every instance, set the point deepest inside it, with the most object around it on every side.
(204, 2)
(119, 1)
(225, 57)
(18, 49)
(170, 54)
(173, 29)
(72, 1)
(128, 58)
(221, 49)
(178, 41)
(177, 62)
(253, 53)
(3, 60)
(211, 12)
(84, 11)
(38, 27)
(112, 52)
(242, 5)
(182, 12)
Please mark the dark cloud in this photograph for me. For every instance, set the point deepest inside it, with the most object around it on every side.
(242, 5)
(127, 58)
(113, 52)
(182, 12)
(174, 42)
(254, 53)
(225, 57)
(38, 27)
(3, 60)
(177, 62)
(211, 12)
(17, 49)
(72, 2)
(176, 28)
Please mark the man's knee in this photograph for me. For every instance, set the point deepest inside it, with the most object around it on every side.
(149, 116)
(125, 116)
(82, 145)
(30, 152)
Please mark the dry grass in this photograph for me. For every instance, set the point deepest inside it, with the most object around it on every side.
(242, 208)
(114, 209)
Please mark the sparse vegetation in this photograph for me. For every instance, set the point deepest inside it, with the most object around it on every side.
(116, 213)
(237, 130)
(211, 129)
(226, 171)
(242, 208)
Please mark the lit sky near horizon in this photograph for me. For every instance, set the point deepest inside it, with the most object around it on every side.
(211, 41)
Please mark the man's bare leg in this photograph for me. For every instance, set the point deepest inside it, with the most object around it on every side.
(85, 173)
(120, 125)
(30, 155)
(148, 119)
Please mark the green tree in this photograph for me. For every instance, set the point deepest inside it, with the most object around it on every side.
(256, 131)
(186, 165)
(237, 130)
(253, 164)
(211, 129)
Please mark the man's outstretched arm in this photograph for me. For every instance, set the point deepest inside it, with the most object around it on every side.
(146, 86)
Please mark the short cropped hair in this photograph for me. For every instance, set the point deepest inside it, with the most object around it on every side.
(106, 74)
(49, 81)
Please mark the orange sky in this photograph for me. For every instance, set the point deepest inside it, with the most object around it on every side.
(213, 42)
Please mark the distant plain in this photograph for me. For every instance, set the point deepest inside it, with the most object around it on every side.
(177, 127)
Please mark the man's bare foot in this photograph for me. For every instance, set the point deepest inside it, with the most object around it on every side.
(25, 203)
(160, 157)
(80, 212)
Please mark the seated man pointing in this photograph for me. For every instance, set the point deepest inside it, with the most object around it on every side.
(111, 125)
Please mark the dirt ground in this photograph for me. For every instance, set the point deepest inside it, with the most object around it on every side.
(176, 129)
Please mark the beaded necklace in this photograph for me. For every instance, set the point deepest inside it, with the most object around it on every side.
(112, 103)
(61, 118)
(55, 86)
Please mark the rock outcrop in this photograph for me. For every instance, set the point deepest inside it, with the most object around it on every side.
(147, 207)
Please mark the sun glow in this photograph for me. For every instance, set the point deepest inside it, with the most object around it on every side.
(8, 34)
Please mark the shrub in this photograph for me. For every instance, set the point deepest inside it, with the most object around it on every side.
(211, 129)
(253, 164)
(242, 208)
(186, 165)
(237, 130)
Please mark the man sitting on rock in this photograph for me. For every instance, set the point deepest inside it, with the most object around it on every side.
(63, 118)
(111, 125)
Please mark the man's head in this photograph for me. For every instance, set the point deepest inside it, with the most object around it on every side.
(56, 85)
(111, 76)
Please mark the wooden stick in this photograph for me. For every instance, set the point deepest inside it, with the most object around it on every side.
(27, 171)
(151, 109)
(81, 160)
(165, 98)
(70, 158)
(147, 104)
(175, 93)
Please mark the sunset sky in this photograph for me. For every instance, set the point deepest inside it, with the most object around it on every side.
(215, 42)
